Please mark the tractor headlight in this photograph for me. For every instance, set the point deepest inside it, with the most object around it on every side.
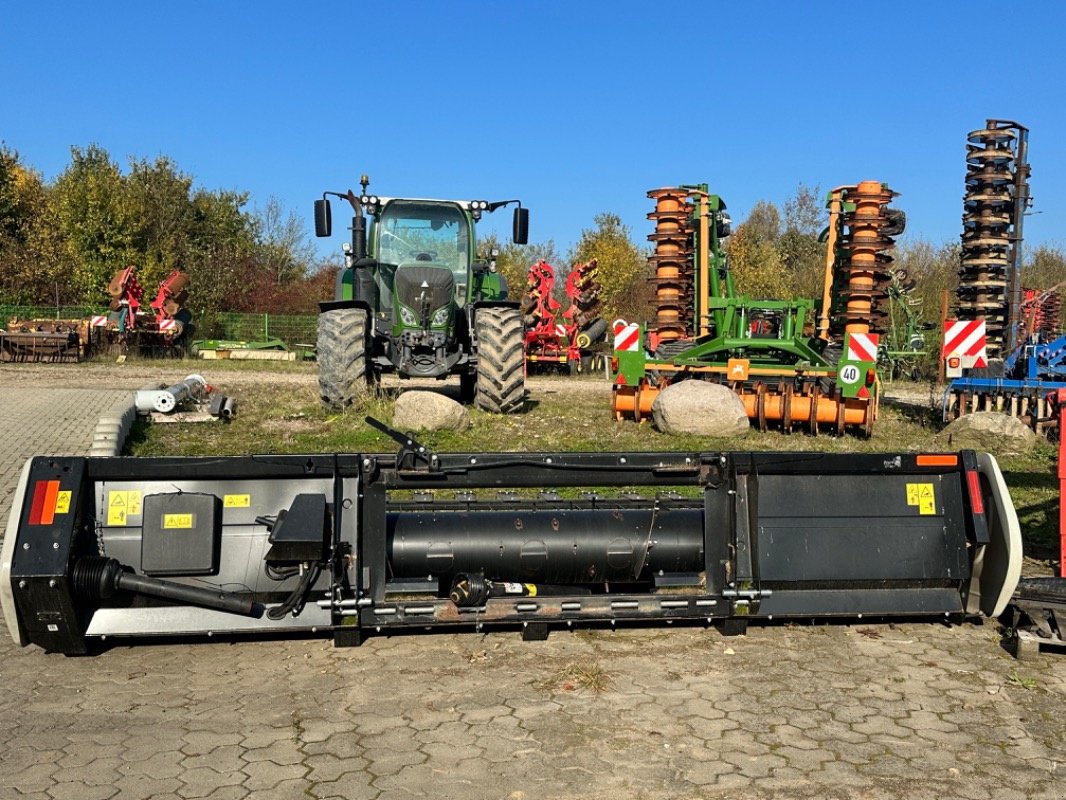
(440, 317)
(407, 317)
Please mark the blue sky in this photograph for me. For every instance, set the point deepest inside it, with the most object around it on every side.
(574, 107)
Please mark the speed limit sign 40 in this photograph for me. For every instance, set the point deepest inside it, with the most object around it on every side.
(849, 374)
(852, 377)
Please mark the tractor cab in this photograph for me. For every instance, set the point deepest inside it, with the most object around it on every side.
(423, 250)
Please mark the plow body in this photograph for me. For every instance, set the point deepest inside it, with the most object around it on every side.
(350, 545)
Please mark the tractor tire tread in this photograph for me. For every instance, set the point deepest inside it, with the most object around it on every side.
(341, 352)
(501, 379)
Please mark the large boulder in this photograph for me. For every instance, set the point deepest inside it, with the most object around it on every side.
(701, 408)
(429, 411)
(989, 431)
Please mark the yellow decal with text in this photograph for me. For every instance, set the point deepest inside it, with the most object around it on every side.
(921, 495)
(63, 503)
(177, 521)
(237, 501)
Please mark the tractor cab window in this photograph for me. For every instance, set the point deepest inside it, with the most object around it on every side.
(423, 234)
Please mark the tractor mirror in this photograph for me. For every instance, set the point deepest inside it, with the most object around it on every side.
(323, 218)
(520, 234)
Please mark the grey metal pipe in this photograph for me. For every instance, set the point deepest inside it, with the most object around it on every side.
(166, 400)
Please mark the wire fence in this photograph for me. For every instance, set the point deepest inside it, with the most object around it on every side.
(9, 312)
(294, 329)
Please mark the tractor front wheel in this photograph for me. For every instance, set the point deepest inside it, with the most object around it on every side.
(501, 361)
(341, 353)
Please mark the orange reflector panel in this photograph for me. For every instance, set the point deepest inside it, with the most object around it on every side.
(977, 502)
(937, 461)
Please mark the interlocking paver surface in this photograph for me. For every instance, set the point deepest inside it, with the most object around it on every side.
(916, 710)
(61, 420)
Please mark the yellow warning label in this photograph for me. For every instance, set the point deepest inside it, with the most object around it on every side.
(116, 508)
(237, 501)
(62, 502)
(123, 504)
(177, 521)
(922, 495)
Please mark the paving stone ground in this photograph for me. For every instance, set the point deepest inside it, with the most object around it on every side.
(870, 711)
(60, 420)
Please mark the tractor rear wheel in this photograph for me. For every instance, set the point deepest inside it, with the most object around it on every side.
(342, 361)
(501, 360)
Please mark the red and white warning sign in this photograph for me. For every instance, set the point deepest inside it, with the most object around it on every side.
(168, 325)
(99, 320)
(964, 346)
(560, 331)
(863, 346)
(626, 336)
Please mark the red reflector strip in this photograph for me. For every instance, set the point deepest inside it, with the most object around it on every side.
(48, 512)
(977, 502)
(937, 461)
(41, 492)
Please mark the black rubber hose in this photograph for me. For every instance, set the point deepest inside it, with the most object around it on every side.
(191, 595)
(97, 578)
(295, 602)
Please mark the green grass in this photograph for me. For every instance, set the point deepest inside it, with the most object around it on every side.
(285, 418)
(1022, 682)
(577, 676)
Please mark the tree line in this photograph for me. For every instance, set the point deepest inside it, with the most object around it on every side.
(61, 241)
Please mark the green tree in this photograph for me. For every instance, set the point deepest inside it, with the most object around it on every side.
(514, 261)
(1044, 268)
(802, 255)
(159, 216)
(221, 258)
(622, 269)
(285, 251)
(33, 266)
(754, 258)
(9, 212)
(93, 219)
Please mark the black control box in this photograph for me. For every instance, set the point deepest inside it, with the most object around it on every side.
(181, 534)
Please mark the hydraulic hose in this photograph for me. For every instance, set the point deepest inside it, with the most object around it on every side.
(294, 604)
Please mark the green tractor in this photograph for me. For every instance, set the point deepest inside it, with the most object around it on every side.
(413, 299)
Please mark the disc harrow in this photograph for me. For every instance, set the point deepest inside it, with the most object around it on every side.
(861, 271)
(761, 349)
(674, 279)
(996, 179)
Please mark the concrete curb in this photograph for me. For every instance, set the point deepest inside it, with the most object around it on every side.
(113, 428)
